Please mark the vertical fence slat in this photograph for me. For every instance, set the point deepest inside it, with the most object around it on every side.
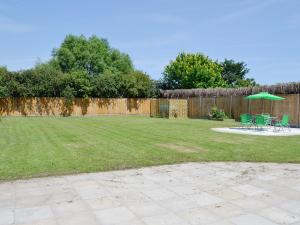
(298, 109)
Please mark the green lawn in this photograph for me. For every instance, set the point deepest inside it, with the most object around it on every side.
(38, 146)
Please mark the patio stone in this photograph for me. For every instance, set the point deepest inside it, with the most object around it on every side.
(164, 219)
(280, 216)
(250, 219)
(69, 208)
(83, 218)
(199, 216)
(6, 204)
(159, 194)
(204, 199)
(291, 206)
(40, 222)
(114, 215)
(177, 204)
(222, 222)
(103, 203)
(225, 209)
(249, 190)
(148, 209)
(214, 193)
(6, 217)
(249, 203)
(31, 201)
(29, 215)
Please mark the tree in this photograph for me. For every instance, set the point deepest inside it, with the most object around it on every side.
(81, 68)
(192, 71)
(234, 74)
(93, 55)
(137, 84)
(106, 85)
(79, 82)
(48, 80)
(3, 87)
(134, 85)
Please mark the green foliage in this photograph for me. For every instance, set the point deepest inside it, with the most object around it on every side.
(81, 67)
(93, 55)
(217, 114)
(192, 71)
(106, 86)
(3, 88)
(68, 93)
(79, 82)
(137, 84)
(48, 81)
(133, 85)
(234, 74)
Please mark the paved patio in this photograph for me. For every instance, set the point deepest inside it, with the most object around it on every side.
(260, 132)
(193, 193)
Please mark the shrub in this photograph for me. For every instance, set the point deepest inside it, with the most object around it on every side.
(217, 114)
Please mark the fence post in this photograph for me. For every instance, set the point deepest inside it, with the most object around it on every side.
(126, 106)
(188, 106)
(109, 108)
(200, 105)
(230, 106)
(298, 109)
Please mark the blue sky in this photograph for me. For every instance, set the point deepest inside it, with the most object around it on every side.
(263, 33)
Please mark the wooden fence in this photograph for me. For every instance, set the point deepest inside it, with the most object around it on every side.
(58, 106)
(169, 108)
(196, 107)
(234, 106)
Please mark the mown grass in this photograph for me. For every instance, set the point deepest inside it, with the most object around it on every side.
(38, 146)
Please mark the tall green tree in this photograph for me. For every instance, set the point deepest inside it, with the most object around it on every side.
(234, 74)
(81, 67)
(137, 84)
(192, 71)
(134, 85)
(3, 88)
(93, 55)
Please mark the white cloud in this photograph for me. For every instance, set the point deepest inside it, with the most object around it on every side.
(156, 41)
(165, 19)
(248, 8)
(10, 25)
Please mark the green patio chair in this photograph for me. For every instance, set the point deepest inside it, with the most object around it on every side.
(246, 120)
(284, 123)
(267, 118)
(261, 121)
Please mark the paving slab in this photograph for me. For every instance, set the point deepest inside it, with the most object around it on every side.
(183, 194)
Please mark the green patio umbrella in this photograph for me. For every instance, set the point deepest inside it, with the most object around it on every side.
(264, 95)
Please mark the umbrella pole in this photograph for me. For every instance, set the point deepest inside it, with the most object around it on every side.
(272, 107)
(249, 107)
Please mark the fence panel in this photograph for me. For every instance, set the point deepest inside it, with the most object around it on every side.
(197, 107)
(178, 108)
(224, 104)
(194, 107)
(207, 104)
(80, 106)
